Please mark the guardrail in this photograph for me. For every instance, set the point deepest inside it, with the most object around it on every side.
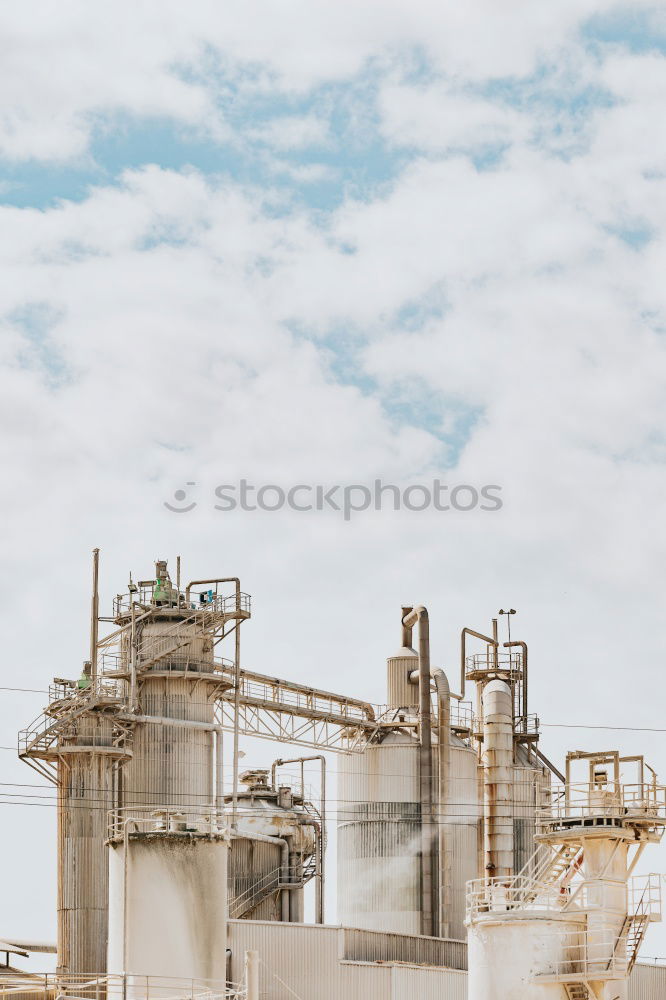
(611, 800)
(153, 819)
(116, 987)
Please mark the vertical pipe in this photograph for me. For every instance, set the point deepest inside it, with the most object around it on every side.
(523, 646)
(178, 578)
(498, 778)
(133, 692)
(428, 888)
(219, 773)
(237, 694)
(444, 748)
(94, 620)
(252, 975)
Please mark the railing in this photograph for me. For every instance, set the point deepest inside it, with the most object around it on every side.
(153, 819)
(609, 801)
(481, 664)
(582, 954)
(500, 895)
(644, 896)
(85, 687)
(528, 725)
(462, 715)
(280, 695)
(566, 895)
(116, 987)
(216, 603)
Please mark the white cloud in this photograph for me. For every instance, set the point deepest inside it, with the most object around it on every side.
(148, 340)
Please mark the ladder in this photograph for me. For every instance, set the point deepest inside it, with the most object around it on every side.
(551, 871)
(578, 991)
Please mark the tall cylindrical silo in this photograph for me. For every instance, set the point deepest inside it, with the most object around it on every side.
(86, 759)
(168, 901)
(379, 836)
(173, 766)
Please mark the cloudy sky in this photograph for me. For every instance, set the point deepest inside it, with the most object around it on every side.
(315, 243)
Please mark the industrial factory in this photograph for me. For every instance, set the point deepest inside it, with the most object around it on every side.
(468, 864)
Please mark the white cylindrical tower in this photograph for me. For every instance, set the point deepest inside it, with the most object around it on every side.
(168, 899)
(497, 761)
(379, 836)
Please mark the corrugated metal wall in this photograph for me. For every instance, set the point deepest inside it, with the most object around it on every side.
(84, 798)
(308, 961)
(376, 946)
(379, 837)
(647, 982)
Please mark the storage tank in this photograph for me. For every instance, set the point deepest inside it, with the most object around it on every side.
(379, 828)
(507, 955)
(86, 761)
(379, 831)
(258, 868)
(173, 766)
(168, 898)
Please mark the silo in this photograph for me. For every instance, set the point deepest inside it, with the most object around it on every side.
(173, 766)
(86, 758)
(168, 898)
(379, 832)
(462, 818)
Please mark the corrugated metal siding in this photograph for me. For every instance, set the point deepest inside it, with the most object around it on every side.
(379, 832)
(316, 963)
(84, 797)
(464, 811)
(375, 946)
(426, 984)
(647, 982)
(303, 956)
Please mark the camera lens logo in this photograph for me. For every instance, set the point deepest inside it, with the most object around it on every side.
(181, 496)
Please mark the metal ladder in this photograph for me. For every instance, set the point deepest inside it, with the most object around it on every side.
(552, 870)
(578, 991)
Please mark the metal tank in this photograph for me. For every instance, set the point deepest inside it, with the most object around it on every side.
(379, 830)
(86, 763)
(276, 843)
(173, 765)
(168, 897)
(380, 834)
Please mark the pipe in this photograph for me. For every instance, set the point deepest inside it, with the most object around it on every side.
(497, 761)
(94, 621)
(133, 659)
(477, 635)
(321, 881)
(419, 615)
(523, 646)
(219, 771)
(252, 975)
(444, 733)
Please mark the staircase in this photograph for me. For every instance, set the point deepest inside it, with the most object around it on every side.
(553, 869)
(271, 883)
(577, 991)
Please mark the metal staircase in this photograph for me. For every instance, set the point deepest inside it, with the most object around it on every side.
(578, 991)
(245, 902)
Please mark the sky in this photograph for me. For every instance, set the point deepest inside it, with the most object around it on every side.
(329, 244)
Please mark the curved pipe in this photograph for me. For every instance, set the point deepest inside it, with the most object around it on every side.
(523, 646)
(477, 635)
(419, 615)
